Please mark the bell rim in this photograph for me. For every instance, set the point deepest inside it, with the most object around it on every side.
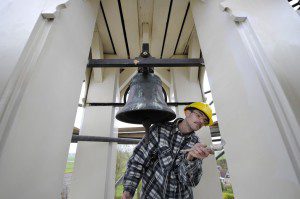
(168, 116)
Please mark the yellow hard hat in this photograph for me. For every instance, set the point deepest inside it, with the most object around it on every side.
(204, 108)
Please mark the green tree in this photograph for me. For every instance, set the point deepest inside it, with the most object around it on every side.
(123, 154)
(222, 162)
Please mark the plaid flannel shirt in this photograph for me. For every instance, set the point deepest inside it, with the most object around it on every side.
(163, 168)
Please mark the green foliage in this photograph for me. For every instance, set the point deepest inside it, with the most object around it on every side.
(123, 154)
(70, 163)
(222, 162)
(118, 192)
(228, 196)
(228, 189)
(122, 158)
(228, 192)
(69, 167)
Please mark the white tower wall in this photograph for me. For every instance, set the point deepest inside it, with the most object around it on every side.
(42, 71)
(252, 66)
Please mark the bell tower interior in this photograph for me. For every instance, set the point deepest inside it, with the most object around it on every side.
(240, 57)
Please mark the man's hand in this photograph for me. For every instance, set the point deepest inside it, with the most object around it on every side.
(199, 151)
(126, 195)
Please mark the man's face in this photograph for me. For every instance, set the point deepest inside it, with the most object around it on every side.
(196, 119)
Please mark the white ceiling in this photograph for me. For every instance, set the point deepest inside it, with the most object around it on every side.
(168, 23)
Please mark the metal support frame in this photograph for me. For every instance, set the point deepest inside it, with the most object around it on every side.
(123, 104)
(86, 138)
(216, 140)
(220, 155)
(119, 181)
(144, 62)
(115, 104)
(213, 135)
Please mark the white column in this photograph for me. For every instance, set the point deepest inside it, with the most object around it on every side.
(252, 66)
(43, 77)
(186, 90)
(94, 170)
(97, 53)
(15, 36)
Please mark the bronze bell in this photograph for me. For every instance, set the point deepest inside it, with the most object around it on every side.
(146, 104)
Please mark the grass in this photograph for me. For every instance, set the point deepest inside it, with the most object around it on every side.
(118, 192)
(228, 192)
(70, 163)
(69, 167)
(228, 195)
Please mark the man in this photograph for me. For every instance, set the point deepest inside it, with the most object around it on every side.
(169, 161)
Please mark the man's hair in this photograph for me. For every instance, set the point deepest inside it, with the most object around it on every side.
(192, 109)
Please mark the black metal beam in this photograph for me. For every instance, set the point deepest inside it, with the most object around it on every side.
(107, 27)
(220, 155)
(180, 32)
(215, 135)
(214, 130)
(123, 104)
(143, 62)
(119, 181)
(178, 103)
(106, 104)
(124, 29)
(296, 4)
(86, 138)
(166, 29)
